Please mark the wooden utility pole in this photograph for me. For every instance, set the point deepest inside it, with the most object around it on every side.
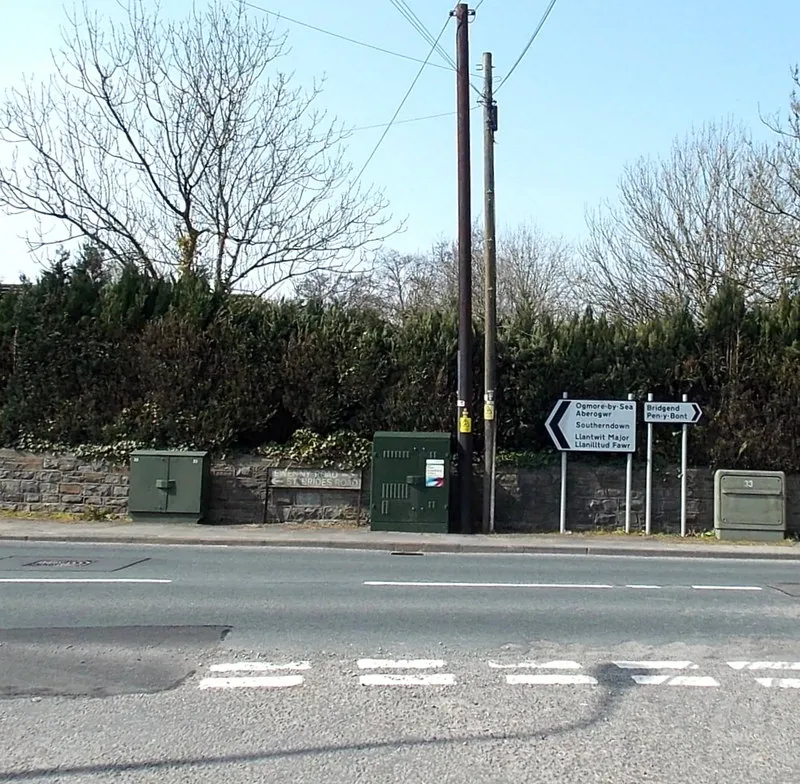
(464, 393)
(490, 299)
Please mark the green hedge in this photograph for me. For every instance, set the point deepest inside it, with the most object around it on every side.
(85, 359)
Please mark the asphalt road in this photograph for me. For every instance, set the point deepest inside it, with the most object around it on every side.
(171, 664)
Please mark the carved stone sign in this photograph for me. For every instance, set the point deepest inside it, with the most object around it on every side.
(316, 478)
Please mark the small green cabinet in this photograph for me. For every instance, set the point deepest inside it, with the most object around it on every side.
(168, 486)
(410, 482)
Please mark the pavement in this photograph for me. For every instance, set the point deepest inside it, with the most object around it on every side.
(361, 538)
(142, 662)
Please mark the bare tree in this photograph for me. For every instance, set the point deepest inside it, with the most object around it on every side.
(348, 289)
(182, 146)
(683, 225)
(776, 179)
(535, 273)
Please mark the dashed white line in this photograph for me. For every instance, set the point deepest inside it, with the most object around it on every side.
(259, 666)
(650, 680)
(781, 683)
(675, 680)
(415, 584)
(727, 587)
(392, 679)
(550, 679)
(551, 665)
(692, 680)
(83, 580)
(764, 665)
(652, 665)
(644, 587)
(253, 682)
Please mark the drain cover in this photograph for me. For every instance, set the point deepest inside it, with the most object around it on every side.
(58, 563)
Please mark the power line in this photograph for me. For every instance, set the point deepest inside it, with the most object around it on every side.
(403, 7)
(409, 120)
(408, 13)
(528, 45)
(402, 102)
(343, 37)
(401, 122)
(479, 5)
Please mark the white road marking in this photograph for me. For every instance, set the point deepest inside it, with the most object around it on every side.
(414, 584)
(551, 679)
(435, 679)
(551, 665)
(693, 680)
(781, 683)
(727, 587)
(645, 587)
(650, 680)
(255, 682)
(259, 667)
(764, 665)
(400, 664)
(652, 665)
(674, 680)
(84, 580)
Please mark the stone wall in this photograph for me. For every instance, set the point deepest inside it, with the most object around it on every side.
(527, 499)
(58, 483)
(238, 495)
(50, 484)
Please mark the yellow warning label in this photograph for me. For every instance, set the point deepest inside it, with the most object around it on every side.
(464, 424)
(488, 410)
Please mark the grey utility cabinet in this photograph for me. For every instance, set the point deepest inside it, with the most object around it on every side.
(168, 486)
(750, 505)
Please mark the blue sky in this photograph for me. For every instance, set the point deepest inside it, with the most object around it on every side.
(605, 82)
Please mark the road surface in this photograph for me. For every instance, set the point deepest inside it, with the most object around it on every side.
(206, 664)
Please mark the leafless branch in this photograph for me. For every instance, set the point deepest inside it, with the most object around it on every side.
(183, 146)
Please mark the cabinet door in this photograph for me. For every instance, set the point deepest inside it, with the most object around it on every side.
(185, 495)
(149, 481)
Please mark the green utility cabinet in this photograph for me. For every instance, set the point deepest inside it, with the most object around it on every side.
(168, 486)
(750, 505)
(410, 482)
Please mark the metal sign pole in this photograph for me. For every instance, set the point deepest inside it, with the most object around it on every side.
(648, 502)
(684, 460)
(628, 486)
(562, 527)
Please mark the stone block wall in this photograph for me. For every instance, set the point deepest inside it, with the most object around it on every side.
(527, 499)
(54, 484)
(239, 495)
(49, 484)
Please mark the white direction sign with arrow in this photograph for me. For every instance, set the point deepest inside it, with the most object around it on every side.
(593, 425)
(673, 413)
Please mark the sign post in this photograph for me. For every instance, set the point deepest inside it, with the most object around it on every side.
(590, 426)
(684, 461)
(628, 486)
(684, 414)
(648, 491)
(562, 514)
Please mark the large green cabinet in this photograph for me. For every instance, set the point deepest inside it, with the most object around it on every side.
(168, 486)
(410, 488)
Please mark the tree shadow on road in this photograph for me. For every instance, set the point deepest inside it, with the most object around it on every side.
(613, 684)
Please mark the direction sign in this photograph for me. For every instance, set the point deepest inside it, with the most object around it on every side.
(593, 425)
(673, 413)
